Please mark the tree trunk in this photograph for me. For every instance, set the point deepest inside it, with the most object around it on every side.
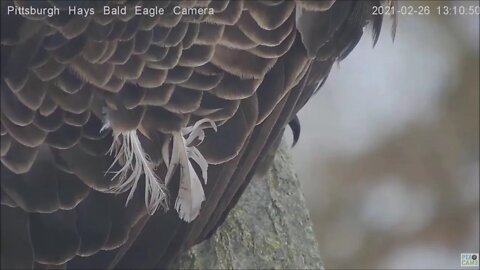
(269, 228)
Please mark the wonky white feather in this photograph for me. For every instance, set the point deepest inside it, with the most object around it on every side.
(190, 193)
(128, 152)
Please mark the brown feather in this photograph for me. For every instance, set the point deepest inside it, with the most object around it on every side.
(246, 67)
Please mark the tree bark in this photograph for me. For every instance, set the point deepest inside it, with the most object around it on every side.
(269, 228)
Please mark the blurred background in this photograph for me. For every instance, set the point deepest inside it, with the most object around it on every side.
(389, 151)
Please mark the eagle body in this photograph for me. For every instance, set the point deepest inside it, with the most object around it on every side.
(126, 138)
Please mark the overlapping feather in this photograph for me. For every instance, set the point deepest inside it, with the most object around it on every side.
(190, 194)
(128, 151)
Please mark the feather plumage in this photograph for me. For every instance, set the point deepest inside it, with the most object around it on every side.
(248, 68)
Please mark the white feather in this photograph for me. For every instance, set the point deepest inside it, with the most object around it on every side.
(195, 154)
(190, 194)
(128, 152)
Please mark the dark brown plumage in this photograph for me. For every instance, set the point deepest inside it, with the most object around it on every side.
(249, 67)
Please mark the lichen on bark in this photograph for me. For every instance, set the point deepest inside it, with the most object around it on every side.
(269, 228)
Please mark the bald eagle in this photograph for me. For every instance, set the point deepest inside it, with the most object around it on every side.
(126, 138)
